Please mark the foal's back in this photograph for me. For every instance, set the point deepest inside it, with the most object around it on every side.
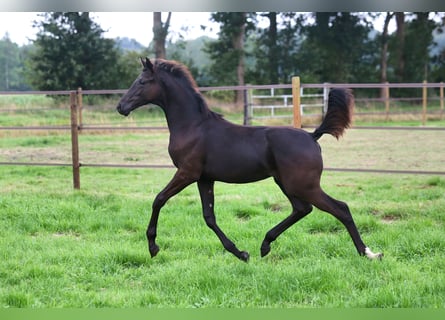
(243, 154)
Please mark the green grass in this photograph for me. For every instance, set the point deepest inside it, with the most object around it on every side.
(26, 101)
(66, 248)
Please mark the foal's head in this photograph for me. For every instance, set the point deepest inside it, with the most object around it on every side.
(144, 90)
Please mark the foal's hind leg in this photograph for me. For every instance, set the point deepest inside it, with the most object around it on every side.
(299, 210)
(207, 200)
(341, 211)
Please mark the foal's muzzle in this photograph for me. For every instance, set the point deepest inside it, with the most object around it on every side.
(122, 111)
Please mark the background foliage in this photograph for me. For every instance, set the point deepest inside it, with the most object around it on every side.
(70, 50)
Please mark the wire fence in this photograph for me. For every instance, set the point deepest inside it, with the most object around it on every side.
(77, 124)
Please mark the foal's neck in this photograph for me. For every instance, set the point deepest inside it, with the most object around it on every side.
(184, 111)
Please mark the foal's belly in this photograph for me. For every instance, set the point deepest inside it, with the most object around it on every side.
(233, 168)
(235, 177)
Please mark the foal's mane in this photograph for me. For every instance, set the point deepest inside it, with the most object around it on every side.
(182, 74)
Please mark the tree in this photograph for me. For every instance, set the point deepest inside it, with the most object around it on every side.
(128, 67)
(10, 65)
(272, 44)
(438, 70)
(400, 45)
(438, 57)
(228, 53)
(384, 51)
(160, 32)
(410, 49)
(418, 39)
(337, 48)
(70, 52)
(276, 48)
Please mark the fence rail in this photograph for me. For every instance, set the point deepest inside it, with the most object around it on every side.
(283, 105)
(282, 101)
(170, 166)
(297, 93)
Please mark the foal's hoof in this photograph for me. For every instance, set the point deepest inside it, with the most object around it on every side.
(265, 249)
(377, 256)
(373, 256)
(153, 250)
(244, 256)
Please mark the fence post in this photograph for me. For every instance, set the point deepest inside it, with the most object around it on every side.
(75, 141)
(79, 106)
(424, 101)
(246, 107)
(386, 100)
(441, 100)
(250, 106)
(296, 101)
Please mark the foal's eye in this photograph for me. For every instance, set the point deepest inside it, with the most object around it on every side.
(142, 82)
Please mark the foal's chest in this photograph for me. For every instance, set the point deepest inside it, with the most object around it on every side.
(184, 148)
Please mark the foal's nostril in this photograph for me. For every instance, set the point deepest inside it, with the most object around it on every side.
(119, 109)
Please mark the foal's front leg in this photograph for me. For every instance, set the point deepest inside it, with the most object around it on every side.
(178, 183)
(207, 200)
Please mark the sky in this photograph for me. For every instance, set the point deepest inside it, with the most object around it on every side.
(136, 25)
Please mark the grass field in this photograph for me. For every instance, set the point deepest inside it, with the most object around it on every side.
(65, 248)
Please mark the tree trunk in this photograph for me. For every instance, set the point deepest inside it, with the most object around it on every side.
(238, 45)
(384, 53)
(273, 48)
(400, 70)
(160, 31)
(422, 17)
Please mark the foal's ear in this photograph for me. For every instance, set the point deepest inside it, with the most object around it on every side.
(147, 64)
(143, 62)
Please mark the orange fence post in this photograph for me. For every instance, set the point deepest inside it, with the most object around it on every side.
(296, 101)
(75, 141)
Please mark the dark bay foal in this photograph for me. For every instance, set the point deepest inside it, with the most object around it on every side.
(206, 148)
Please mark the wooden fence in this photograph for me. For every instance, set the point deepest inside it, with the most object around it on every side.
(275, 105)
(76, 119)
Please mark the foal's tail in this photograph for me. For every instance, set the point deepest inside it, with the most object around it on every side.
(339, 114)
